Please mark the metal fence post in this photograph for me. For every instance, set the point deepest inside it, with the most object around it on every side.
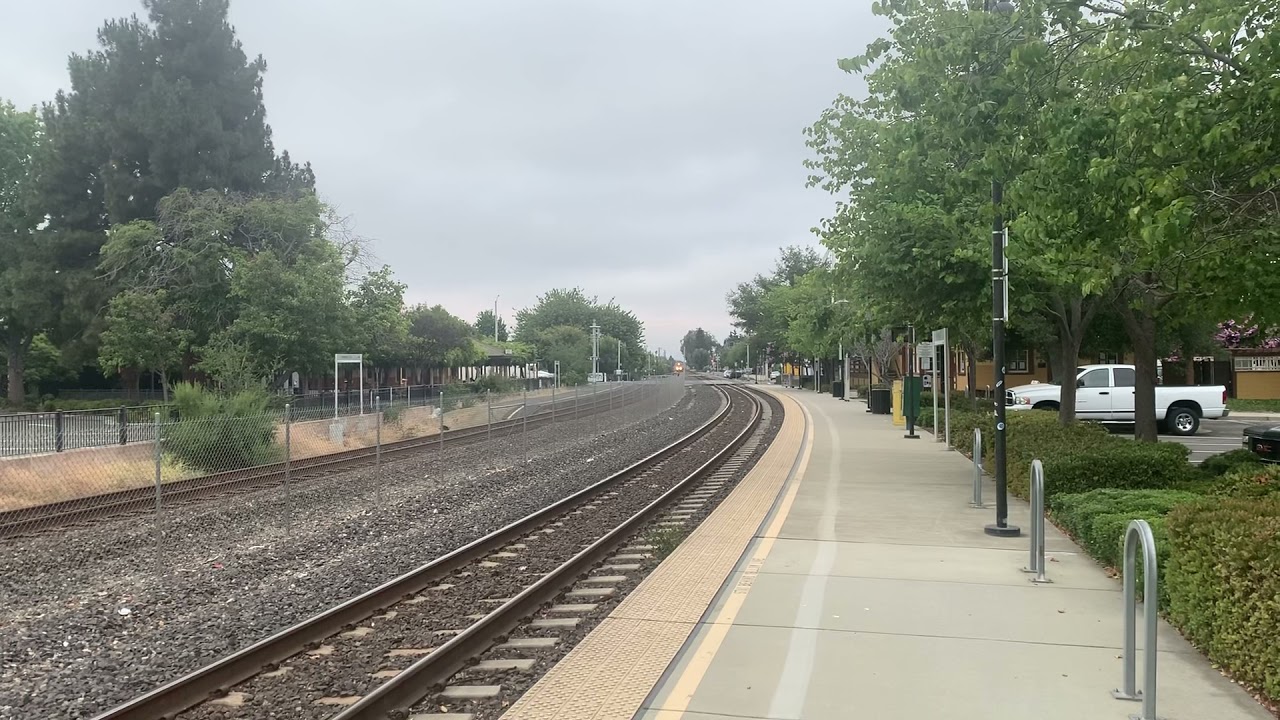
(553, 404)
(442, 429)
(524, 411)
(575, 402)
(122, 421)
(377, 432)
(1140, 532)
(156, 420)
(288, 470)
(1035, 563)
(57, 431)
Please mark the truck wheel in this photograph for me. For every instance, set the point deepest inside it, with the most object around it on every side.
(1046, 406)
(1182, 420)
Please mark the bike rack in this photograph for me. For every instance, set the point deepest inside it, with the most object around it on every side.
(1140, 531)
(1036, 562)
(976, 502)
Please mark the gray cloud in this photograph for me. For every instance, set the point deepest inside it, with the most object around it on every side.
(650, 152)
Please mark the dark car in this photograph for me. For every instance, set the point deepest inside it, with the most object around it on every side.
(1264, 441)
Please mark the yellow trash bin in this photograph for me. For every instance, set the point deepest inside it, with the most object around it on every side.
(899, 418)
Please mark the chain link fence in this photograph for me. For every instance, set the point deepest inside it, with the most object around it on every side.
(211, 456)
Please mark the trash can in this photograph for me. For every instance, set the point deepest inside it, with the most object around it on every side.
(837, 388)
(881, 401)
(911, 392)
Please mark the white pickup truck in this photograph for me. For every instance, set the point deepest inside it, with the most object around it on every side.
(1104, 393)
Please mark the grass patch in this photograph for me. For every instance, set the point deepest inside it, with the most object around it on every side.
(665, 540)
(1254, 405)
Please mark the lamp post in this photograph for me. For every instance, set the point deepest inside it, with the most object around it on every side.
(495, 318)
(999, 314)
(909, 389)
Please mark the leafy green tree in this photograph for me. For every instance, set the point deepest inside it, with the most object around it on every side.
(140, 334)
(379, 325)
(29, 279)
(697, 347)
(484, 326)
(441, 339)
(289, 315)
(560, 307)
(165, 102)
(759, 307)
(262, 269)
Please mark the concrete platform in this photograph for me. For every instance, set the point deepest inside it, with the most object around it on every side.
(870, 591)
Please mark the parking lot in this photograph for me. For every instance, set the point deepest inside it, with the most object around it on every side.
(1214, 436)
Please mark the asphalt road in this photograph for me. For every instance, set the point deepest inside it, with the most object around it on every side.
(1214, 436)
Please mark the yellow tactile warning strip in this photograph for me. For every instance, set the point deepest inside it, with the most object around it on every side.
(610, 673)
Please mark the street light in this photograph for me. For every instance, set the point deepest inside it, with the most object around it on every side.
(844, 366)
(999, 314)
(495, 318)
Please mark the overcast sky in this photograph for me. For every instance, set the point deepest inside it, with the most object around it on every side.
(646, 151)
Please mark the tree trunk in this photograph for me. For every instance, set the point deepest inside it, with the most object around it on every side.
(1140, 323)
(16, 352)
(164, 385)
(1190, 364)
(971, 378)
(129, 378)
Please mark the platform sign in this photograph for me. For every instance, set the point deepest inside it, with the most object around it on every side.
(348, 358)
(595, 377)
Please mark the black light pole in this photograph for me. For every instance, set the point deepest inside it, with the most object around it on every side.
(999, 313)
(908, 390)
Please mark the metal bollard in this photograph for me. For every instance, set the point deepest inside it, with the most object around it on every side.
(1036, 562)
(1140, 532)
(976, 502)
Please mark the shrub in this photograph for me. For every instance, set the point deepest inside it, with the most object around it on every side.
(1117, 464)
(963, 424)
(391, 413)
(216, 432)
(496, 384)
(1223, 580)
(1250, 481)
(1222, 463)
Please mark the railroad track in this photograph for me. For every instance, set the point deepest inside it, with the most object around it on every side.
(394, 646)
(50, 517)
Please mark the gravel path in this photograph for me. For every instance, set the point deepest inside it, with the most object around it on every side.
(96, 616)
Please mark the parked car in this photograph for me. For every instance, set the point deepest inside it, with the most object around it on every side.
(1104, 393)
(1264, 441)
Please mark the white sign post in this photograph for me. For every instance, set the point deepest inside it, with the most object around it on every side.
(941, 337)
(347, 358)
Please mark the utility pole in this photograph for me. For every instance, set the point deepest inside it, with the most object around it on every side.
(495, 318)
(999, 315)
(618, 374)
(595, 348)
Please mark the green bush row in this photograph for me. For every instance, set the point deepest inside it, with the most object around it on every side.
(1223, 583)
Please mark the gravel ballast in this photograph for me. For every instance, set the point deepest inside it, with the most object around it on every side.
(98, 615)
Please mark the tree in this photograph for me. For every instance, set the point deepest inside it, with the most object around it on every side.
(379, 325)
(28, 274)
(758, 307)
(140, 333)
(484, 326)
(573, 308)
(261, 269)
(167, 102)
(697, 347)
(441, 339)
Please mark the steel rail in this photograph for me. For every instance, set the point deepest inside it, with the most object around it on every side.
(219, 677)
(49, 516)
(428, 674)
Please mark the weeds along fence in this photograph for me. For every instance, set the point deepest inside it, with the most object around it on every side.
(38, 433)
(201, 456)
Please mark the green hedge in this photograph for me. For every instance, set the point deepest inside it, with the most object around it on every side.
(1097, 520)
(1250, 481)
(1222, 463)
(1223, 583)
